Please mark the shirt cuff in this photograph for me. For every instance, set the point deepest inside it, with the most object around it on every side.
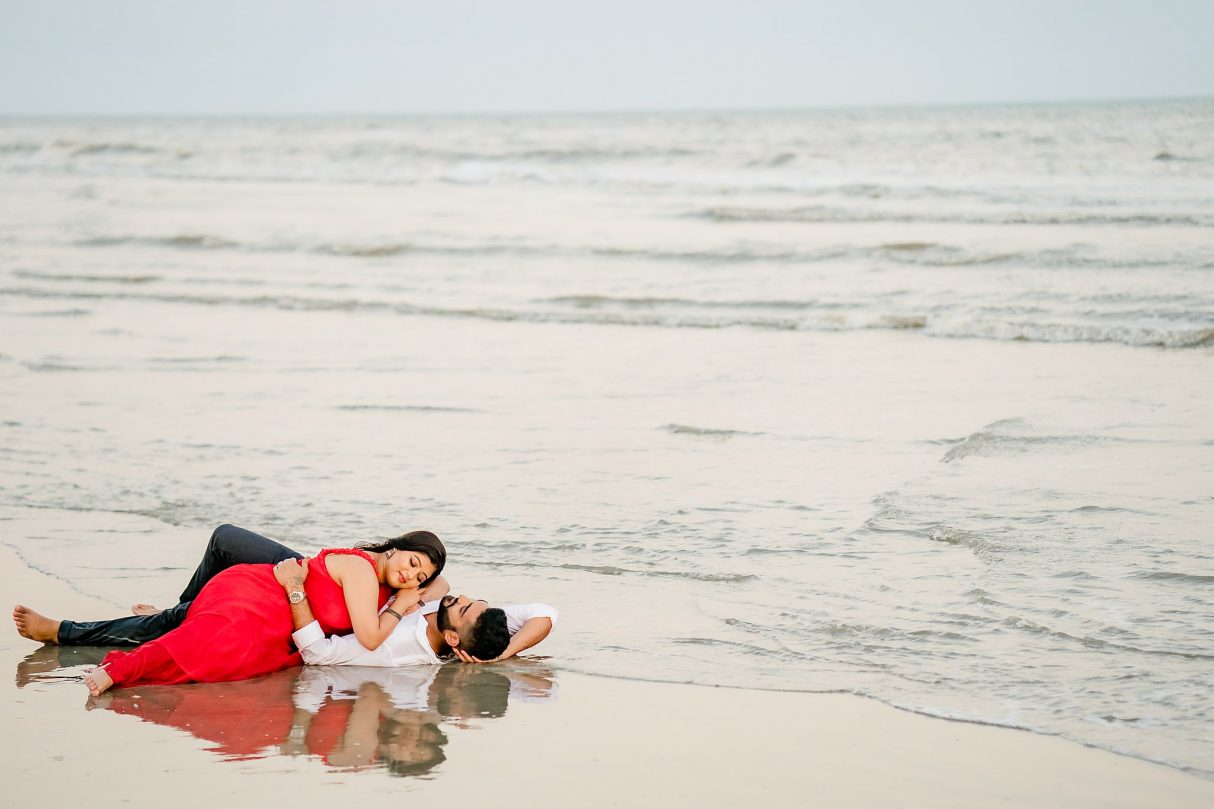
(308, 635)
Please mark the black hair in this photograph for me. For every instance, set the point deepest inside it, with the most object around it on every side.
(470, 692)
(432, 740)
(426, 542)
(489, 636)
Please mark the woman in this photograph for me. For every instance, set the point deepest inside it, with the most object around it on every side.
(239, 626)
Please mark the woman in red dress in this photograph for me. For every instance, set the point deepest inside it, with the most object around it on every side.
(240, 625)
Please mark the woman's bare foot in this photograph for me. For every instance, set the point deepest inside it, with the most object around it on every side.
(98, 680)
(35, 626)
(144, 609)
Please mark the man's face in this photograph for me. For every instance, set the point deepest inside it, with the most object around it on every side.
(459, 614)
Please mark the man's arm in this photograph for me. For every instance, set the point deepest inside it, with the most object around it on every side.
(434, 590)
(291, 574)
(532, 632)
(528, 625)
(314, 647)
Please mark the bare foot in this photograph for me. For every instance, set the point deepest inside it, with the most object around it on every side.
(98, 681)
(43, 661)
(35, 626)
(144, 609)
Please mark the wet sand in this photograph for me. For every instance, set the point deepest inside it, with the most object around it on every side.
(600, 742)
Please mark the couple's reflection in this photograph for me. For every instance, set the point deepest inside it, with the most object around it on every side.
(347, 717)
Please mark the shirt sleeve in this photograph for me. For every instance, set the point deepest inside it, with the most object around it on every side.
(337, 650)
(519, 614)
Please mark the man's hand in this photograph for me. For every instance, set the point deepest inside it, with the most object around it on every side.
(435, 589)
(290, 573)
(467, 658)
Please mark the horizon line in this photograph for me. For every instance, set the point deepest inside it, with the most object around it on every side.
(621, 111)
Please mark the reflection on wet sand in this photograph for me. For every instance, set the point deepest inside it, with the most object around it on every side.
(347, 717)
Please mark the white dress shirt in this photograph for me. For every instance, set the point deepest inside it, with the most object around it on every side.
(406, 646)
(408, 687)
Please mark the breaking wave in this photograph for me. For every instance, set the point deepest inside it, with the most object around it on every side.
(708, 432)
(804, 316)
(826, 214)
(928, 254)
(1009, 436)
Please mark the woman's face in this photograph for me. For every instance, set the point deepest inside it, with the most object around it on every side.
(407, 570)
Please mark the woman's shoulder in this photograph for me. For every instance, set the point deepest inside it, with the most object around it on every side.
(345, 558)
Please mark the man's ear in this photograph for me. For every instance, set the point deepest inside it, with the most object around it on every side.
(451, 637)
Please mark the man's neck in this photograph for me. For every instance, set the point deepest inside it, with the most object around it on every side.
(434, 636)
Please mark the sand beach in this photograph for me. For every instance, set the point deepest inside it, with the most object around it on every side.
(597, 741)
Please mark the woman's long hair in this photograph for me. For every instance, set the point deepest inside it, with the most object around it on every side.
(426, 542)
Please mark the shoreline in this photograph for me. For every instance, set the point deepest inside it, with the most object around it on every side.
(603, 741)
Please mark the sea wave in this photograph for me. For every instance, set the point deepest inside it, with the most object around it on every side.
(1174, 576)
(825, 214)
(993, 328)
(707, 432)
(87, 277)
(85, 148)
(540, 563)
(928, 254)
(186, 241)
(1153, 336)
(1016, 436)
(406, 408)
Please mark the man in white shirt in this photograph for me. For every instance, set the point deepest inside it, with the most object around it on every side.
(457, 625)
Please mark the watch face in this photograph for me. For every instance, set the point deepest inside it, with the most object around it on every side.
(297, 597)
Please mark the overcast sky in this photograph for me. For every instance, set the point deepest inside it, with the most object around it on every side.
(122, 57)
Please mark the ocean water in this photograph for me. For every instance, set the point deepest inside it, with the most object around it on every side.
(908, 403)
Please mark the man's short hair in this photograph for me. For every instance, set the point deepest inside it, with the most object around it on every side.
(489, 636)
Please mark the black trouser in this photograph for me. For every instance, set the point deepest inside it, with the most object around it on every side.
(229, 546)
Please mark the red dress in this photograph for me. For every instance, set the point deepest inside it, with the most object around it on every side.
(239, 627)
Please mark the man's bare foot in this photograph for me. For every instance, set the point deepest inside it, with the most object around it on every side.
(144, 609)
(98, 681)
(35, 626)
(44, 660)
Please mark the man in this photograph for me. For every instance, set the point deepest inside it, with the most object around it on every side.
(470, 629)
(230, 546)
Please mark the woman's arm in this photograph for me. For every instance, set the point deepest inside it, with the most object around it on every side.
(434, 590)
(359, 744)
(361, 591)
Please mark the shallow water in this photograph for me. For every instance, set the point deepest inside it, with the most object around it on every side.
(347, 719)
(908, 403)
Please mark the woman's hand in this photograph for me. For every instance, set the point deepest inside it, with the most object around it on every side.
(406, 601)
(290, 573)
